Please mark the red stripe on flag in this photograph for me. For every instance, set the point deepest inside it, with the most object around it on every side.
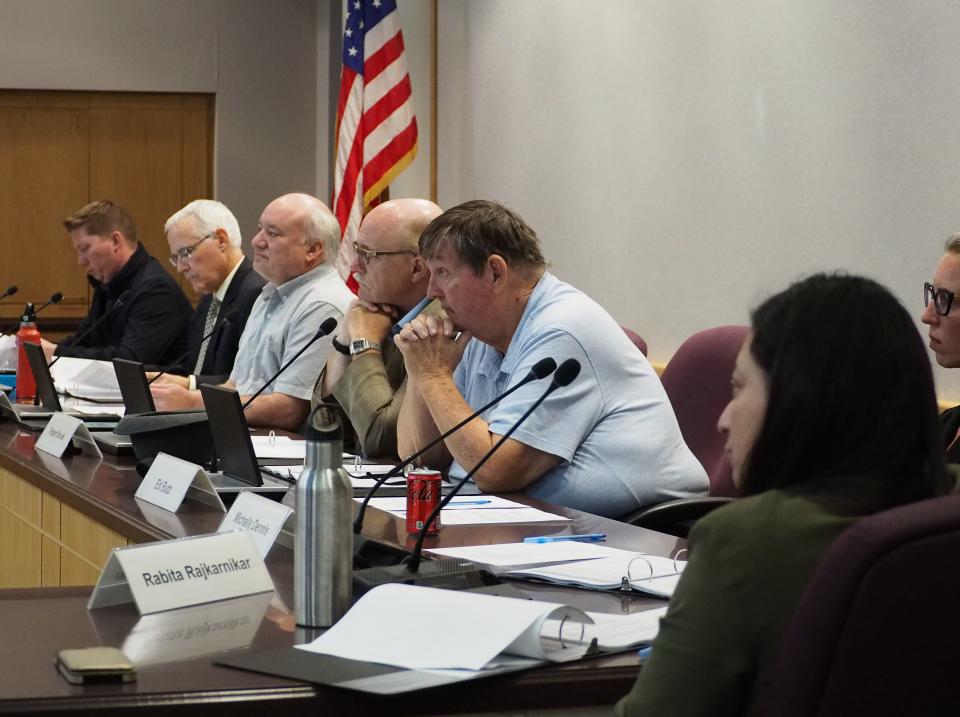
(388, 104)
(390, 155)
(348, 188)
(382, 58)
(347, 77)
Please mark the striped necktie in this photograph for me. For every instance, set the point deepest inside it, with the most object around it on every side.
(212, 314)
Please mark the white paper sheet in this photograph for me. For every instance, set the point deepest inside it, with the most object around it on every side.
(481, 502)
(651, 574)
(84, 378)
(617, 632)
(450, 628)
(517, 555)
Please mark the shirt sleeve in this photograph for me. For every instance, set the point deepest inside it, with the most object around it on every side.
(701, 661)
(367, 396)
(558, 425)
(157, 319)
(298, 380)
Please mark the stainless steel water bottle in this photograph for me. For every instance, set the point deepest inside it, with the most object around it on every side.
(323, 544)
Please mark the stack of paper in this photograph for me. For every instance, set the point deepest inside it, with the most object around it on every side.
(451, 629)
(649, 574)
(501, 558)
(83, 378)
(474, 510)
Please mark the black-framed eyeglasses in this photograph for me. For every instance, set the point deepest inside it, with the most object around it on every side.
(186, 252)
(942, 298)
(366, 255)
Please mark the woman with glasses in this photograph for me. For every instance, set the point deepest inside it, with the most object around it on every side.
(941, 313)
(833, 417)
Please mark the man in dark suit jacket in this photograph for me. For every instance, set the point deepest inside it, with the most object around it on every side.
(204, 240)
(150, 326)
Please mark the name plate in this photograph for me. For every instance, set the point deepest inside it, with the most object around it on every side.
(61, 431)
(261, 517)
(171, 479)
(179, 573)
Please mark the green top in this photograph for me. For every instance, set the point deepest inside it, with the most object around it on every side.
(718, 643)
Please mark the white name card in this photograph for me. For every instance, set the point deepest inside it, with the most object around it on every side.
(179, 573)
(61, 430)
(171, 479)
(261, 517)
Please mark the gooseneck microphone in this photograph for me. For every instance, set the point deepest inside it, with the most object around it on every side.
(121, 300)
(10, 291)
(326, 328)
(565, 374)
(541, 369)
(449, 572)
(232, 315)
(55, 299)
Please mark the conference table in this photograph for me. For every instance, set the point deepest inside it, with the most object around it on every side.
(59, 520)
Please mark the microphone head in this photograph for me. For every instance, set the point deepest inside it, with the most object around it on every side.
(55, 299)
(231, 316)
(543, 368)
(567, 371)
(11, 290)
(326, 327)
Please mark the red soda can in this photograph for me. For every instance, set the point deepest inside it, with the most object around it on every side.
(423, 496)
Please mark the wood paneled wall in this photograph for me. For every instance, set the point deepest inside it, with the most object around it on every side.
(150, 152)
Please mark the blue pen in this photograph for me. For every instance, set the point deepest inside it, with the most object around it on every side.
(469, 502)
(411, 315)
(588, 538)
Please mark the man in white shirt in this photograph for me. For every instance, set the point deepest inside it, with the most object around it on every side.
(297, 238)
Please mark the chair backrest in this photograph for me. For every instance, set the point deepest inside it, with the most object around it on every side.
(877, 627)
(635, 338)
(697, 381)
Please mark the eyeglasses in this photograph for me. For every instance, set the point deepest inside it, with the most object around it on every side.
(365, 255)
(942, 298)
(186, 252)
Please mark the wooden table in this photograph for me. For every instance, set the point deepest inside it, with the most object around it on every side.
(64, 512)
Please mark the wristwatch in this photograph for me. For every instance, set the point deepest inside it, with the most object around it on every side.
(341, 348)
(360, 345)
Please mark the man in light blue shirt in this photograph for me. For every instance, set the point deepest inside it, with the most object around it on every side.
(295, 245)
(608, 443)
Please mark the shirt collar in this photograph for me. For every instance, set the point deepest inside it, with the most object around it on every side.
(290, 287)
(221, 293)
(121, 280)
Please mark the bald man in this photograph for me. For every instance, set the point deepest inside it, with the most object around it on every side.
(364, 372)
(296, 241)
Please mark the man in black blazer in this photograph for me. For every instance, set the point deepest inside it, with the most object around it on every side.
(204, 240)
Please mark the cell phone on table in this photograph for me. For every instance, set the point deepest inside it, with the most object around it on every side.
(95, 665)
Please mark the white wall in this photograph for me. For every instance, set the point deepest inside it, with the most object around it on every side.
(266, 60)
(683, 159)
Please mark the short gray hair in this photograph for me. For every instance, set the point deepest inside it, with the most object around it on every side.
(210, 215)
(952, 244)
(319, 225)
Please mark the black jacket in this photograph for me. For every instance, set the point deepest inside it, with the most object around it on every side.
(150, 328)
(949, 425)
(244, 289)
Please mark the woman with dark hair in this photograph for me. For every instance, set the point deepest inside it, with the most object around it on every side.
(833, 417)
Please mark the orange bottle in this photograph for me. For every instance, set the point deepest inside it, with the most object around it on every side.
(26, 383)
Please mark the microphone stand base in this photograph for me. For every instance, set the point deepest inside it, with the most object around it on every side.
(448, 573)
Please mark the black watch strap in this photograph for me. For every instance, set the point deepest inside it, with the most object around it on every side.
(341, 348)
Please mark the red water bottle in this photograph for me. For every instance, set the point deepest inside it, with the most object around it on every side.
(26, 383)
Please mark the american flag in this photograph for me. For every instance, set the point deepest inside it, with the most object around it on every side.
(376, 129)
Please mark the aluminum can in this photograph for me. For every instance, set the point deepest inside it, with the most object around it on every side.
(423, 495)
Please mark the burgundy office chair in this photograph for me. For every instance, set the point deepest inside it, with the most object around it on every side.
(636, 339)
(876, 631)
(697, 382)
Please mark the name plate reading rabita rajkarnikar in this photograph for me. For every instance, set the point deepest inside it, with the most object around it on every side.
(178, 573)
(60, 431)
